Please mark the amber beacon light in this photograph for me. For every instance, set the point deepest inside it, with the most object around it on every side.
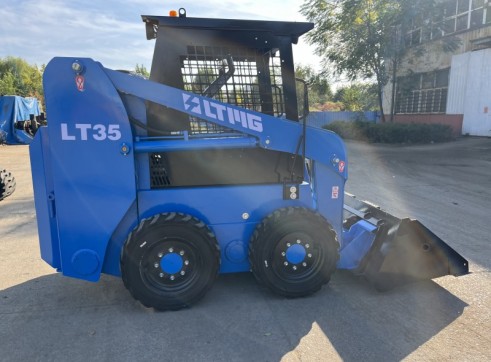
(181, 13)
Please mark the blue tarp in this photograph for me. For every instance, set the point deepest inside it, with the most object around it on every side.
(13, 109)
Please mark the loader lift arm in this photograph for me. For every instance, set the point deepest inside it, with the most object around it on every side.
(270, 132)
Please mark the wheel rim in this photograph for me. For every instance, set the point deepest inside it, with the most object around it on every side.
(170, 265)
(296, 257)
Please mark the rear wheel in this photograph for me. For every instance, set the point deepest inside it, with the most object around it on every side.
(7, 184)
(170, 261)
(293, 252)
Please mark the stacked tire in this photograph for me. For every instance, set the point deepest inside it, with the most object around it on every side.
(7, 184)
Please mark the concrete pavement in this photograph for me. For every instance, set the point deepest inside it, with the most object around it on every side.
(47, 317)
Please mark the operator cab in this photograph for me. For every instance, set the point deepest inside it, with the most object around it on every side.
(241, 62)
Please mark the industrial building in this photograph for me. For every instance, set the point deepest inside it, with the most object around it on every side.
(453, 87)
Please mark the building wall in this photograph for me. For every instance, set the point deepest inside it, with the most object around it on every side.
(467, 110)
(431, 56)
(470, 91)
(454, 121)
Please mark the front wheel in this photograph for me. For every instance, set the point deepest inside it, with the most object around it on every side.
(170, 261)
(294, 252)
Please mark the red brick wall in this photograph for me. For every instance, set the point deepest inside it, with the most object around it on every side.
(452, 120)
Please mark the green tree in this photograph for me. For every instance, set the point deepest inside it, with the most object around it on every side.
(7, 83)
(319, 89)
(357, 97)
(356, 37)
(17, 77)
(142, 70)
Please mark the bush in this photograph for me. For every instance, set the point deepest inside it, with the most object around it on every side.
(391, 132)
(347, 130)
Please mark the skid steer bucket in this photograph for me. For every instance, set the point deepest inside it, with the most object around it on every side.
(403, 251)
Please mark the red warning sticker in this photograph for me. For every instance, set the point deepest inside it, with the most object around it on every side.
(335, 192)
(80, 81)
(341, 166)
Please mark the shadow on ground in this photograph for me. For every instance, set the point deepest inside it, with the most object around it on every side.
(55, 318)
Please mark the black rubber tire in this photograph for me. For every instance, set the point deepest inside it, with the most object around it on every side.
(7, 184)
(278, 231)
(153, 239)
(34, 126)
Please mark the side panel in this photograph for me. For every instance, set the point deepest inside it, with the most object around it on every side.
(42, 183)
(93, 180)
(329, 196)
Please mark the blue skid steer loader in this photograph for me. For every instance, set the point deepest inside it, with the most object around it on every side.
(207, 168)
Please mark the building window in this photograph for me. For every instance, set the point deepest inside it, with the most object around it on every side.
(477, 17)
(451, 16)
(456, 15)
(461, 23)
(422, 93)
(450, 8)
(463, 6)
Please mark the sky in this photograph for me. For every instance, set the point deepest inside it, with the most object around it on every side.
(113, 33)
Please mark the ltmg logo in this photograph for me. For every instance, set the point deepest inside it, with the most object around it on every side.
(222, 113)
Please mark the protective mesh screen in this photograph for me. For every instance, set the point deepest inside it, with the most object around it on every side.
(255, 83)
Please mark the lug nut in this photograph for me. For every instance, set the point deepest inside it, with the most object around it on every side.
(285, 263)
(171, 250)
(304, 264)
(172, 277)
(156, 265)
(307, 246)
(294, 267)
(283, 254)
(309, 255)
(161, 275)
(186, 262)
(298, 241)
(161, 255)
(181, 253)
(183, 272)
(288, 245)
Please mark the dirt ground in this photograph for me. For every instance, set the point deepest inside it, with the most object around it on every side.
(45, 316)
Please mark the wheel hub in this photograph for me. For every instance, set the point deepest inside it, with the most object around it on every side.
(295, 254)
(171, 263)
